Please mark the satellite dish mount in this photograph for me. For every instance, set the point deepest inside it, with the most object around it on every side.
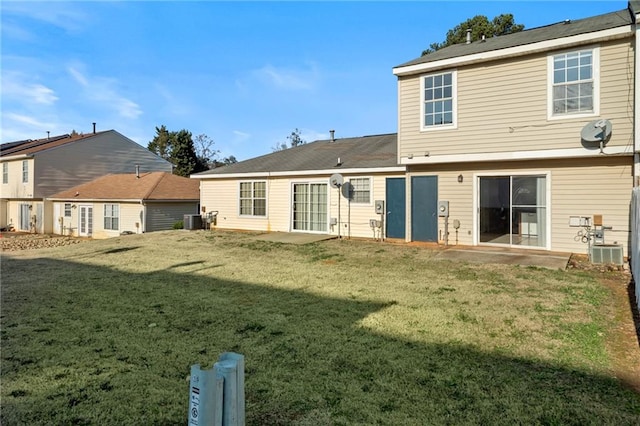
(336, 180)
(597, 131)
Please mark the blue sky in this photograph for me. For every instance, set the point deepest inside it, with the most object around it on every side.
(246, 74)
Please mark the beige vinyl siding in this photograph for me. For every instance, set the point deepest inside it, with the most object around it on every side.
(599, 186)
(502, 107)
(4, 213)
(222, 195)
(355, 217)
(578, 187)
(15, 188)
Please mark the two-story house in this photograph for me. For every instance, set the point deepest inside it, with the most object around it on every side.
(528, 139)
(33, 170)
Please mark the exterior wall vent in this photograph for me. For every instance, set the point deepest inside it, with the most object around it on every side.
(607, 253)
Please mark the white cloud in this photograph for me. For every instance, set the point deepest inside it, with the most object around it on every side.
(77, 76)
(240, 136)
(20, 127)
(288, 79)
(24, 119)
(62, 15)
(15, 86)
(104, 91)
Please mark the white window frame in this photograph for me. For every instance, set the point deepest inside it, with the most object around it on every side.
(5, 172)
(253, 198)
(454, 102)
(370, 190)
(67, 209)
(114, 214)
(595, 75)
(25, 171)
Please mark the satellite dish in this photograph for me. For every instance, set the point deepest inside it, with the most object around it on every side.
(597, 131)
(336, 180)
(347, 190)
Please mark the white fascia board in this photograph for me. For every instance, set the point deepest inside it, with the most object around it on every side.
(94, 200)
(16, 157)
(303, 173)
(542, 46)
(518, 155)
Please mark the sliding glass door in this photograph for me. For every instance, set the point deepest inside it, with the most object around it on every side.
(310, 207)
(513, 210)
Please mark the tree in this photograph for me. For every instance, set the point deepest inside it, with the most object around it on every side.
(225, 161)
(183, 154)
(161, 143)
(177, 148)
(479, 26)
(203, 145)
(294, 140)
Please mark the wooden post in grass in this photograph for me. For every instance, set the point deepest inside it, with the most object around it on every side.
(216, 396)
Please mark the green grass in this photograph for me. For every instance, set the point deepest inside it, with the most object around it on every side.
(333, 333)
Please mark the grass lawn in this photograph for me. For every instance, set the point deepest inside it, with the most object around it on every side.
(333, 333)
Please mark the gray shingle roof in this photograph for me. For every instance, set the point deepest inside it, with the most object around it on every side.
(534, 35)
(354, 153)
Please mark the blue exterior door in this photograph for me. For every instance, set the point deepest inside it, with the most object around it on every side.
(395, 214)
(424, 208)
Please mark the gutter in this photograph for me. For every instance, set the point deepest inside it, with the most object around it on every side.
(303, 172)
(636, 101)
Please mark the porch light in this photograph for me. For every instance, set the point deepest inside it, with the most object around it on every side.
(460, 178)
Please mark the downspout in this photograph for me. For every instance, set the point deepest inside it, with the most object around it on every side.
(143, 225)
(636, 105)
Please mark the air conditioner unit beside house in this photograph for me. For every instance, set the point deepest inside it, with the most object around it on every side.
(607, 253)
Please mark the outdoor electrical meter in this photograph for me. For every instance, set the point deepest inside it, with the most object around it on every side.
(443, 208)
(379, 206)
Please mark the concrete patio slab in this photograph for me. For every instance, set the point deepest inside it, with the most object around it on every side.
(509, 257)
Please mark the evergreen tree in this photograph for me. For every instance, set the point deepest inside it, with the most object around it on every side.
(479, 26)
(161, 143)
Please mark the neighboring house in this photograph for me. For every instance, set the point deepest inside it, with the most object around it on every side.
(124, 203)
(291, 191)
(494, 128)
(35, 169)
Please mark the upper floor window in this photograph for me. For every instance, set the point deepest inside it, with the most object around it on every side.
(253, 198)
(5, 172)
(439, 100)
(25, 171)
(574, 83)
(111, 216)
(361, 190)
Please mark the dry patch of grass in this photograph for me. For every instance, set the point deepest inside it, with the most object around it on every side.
(337, 332)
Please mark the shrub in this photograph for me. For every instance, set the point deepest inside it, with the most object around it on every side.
(178, 225)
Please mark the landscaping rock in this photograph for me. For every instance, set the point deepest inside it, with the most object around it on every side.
(14, 242)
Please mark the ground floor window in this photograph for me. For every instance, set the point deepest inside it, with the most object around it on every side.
(253, 198)
(513, 210)
(111, 216)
